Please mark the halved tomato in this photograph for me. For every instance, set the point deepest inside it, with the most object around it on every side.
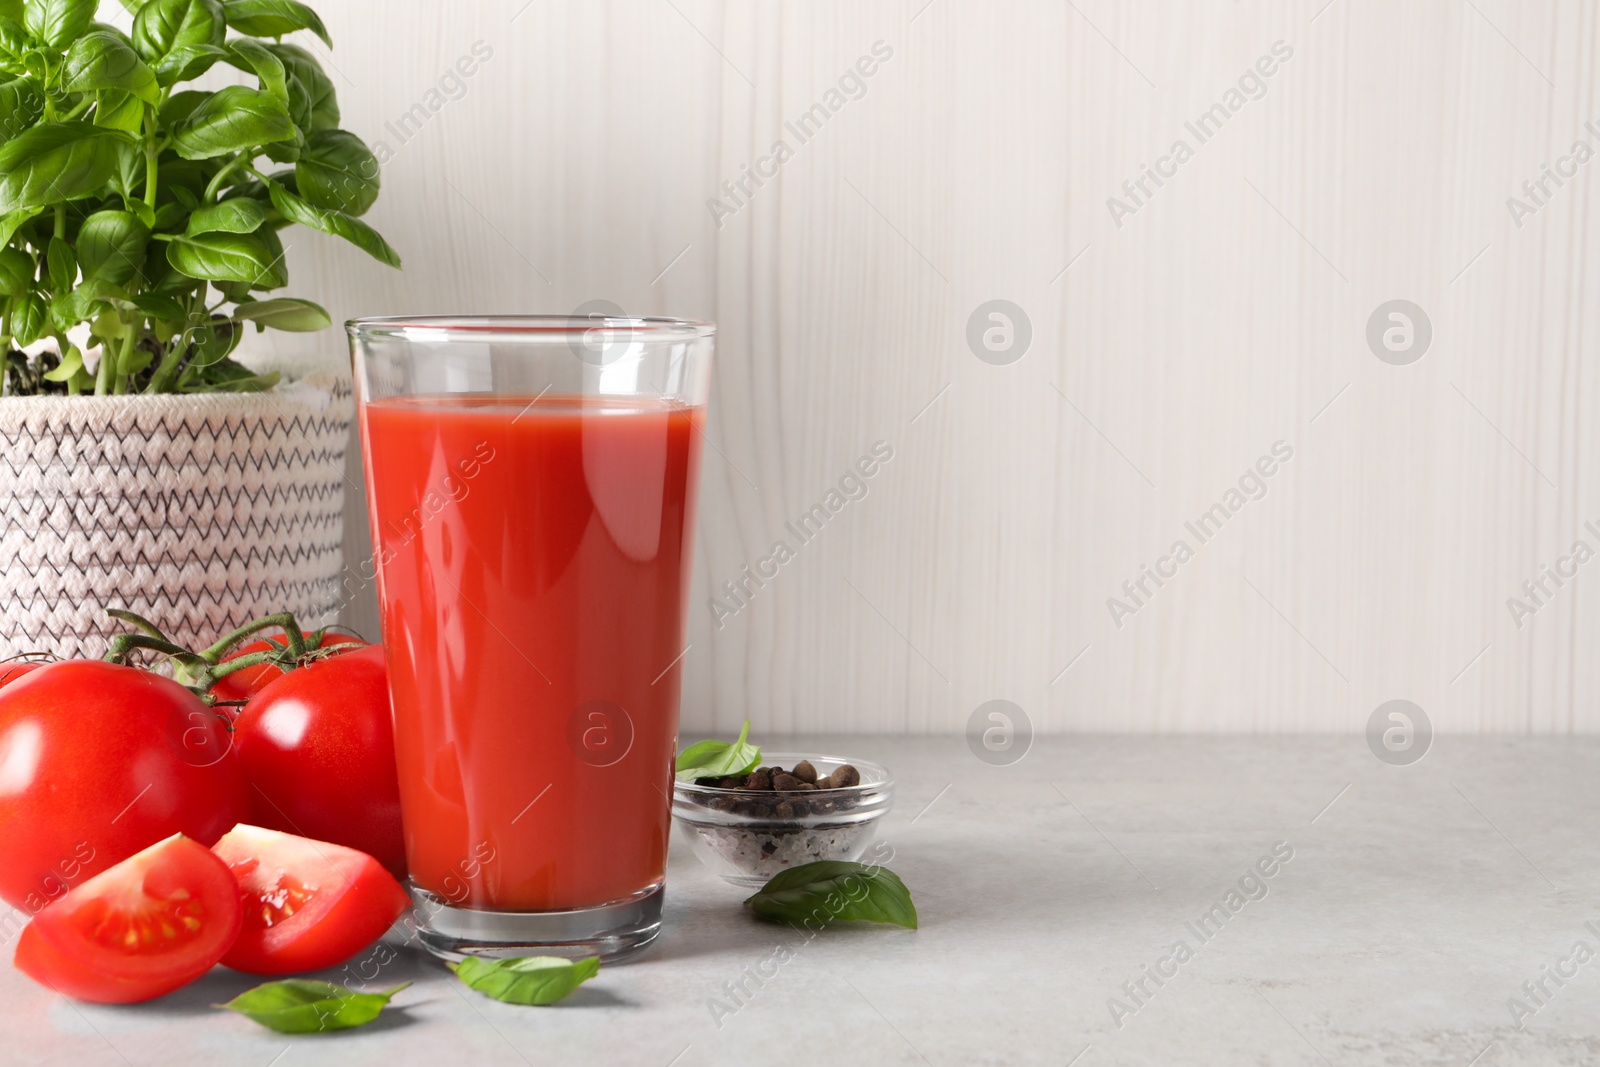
(156, 921)
(307, 904)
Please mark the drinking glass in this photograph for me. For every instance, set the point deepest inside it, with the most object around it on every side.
(531, 483)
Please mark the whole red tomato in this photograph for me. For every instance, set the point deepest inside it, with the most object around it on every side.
(10, 672)
(246, 683)
(317, 745)
(98, 762)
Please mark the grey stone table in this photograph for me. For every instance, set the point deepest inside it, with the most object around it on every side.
(1413, 906)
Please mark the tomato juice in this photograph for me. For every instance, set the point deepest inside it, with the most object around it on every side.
(533, 560)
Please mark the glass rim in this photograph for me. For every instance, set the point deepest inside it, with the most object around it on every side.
(874, 776)
(526, 329)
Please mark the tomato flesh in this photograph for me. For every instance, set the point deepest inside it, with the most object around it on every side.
(142, 928)
(306, 904)
(247, 682)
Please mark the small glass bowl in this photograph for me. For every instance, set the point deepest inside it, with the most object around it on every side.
(748, 848)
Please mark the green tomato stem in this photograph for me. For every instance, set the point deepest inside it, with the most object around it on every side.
(283, 620)
(199, 671)
(123, 644)
(134, 619)
(248, 660)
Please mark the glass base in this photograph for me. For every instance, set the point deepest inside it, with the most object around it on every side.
(615, 932)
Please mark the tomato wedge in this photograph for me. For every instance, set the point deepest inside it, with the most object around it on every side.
(307, 904)
(156, 921)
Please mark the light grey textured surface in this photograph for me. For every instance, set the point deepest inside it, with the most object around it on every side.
(1416, 904)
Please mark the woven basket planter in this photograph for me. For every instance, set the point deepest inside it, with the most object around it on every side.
(198, 512)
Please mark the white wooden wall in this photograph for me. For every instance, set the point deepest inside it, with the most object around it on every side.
(1227, 314)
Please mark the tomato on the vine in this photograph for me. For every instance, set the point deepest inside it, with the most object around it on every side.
(156, 921)
(20, 669)
(10, 672)
(317, 745)
(246, 682)
(99, 761)
(307, 904)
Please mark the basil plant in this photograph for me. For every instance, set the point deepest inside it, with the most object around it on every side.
(143, 216)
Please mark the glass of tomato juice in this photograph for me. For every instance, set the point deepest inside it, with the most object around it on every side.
(531, 484)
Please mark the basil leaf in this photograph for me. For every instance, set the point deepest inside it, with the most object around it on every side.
(105, 27)
(177, 109)
(162, 279)
(336, 223)
(533, 980)
(13, 39)
(170, 215)
(227, 257)
(82, 304)
(212, 342)
(29, 319)
(269, 237)
(187, 62)
(21, 105)
(61, 264)
(337, 171)
(235, 215)
(246, 53)
(312, 101)
(229, 377)
(306, 1006)
(51, 164)
(160, 308)
(102, 60)
(58, 22)
(16, 272)
(164, 25)
(111, 246)
(128, 171)
(138, 361)
(232, 120)
(274, 18)
(11, 222)
(285, 313)
(282, 151)
(835, 891)
(70, 365)
(118, 110)
(720, 759)
(11, 9)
